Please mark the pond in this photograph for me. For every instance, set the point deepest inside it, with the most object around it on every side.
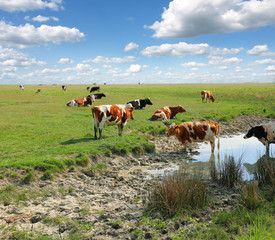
(248, 150)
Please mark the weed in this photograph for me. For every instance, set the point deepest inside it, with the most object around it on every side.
(229, 172)
(265, 171)
(176, 193)
(29, 178)
(48, 175)
(250, 196)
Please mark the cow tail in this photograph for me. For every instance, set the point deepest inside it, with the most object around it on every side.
(218, 136)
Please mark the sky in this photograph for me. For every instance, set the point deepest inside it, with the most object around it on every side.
(136, 41)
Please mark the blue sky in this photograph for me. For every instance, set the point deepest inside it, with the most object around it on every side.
(130, 42)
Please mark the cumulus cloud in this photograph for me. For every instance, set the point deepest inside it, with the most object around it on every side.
(184, 18)
(193, 64)
(101, 59)
(131, 46)
(29, 36)
(270, 68)
(217, 60)
(65, 61)
(134, 68)
(40, 18)
(182, 49)
(264, 61)
(11, 60)
(29, 5)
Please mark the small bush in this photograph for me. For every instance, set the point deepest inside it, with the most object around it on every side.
(265, 171)
(29, 178)
(48, 175)
(176, 193)
(229, 172)
(250, 196)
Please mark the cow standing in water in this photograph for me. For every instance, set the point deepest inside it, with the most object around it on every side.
(265, 134)
(105, 115)
(189, 132)
(207, 95)
(166, 113)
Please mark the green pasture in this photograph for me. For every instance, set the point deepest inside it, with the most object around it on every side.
(39, 131)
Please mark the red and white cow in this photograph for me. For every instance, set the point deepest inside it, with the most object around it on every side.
(166, 113)
(105, 115)
(189, 132)
(207, 95)
(82, 102)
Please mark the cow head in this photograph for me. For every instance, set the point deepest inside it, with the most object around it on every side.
(250, 133)
(180, 109)
(213, 99)
(148, 101)
(91, 97)
(172, 130)
(103, 95)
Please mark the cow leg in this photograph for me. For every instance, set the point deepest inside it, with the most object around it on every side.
(212, 143)
(100, 133)
(95, 131)
(120, 129)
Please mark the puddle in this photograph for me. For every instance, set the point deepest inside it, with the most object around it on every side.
(249, 150)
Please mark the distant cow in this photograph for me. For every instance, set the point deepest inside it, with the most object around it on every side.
(189, 132)
(64, 87)
(93, 89)
(99, 95)
(38, 90)
(82, 102)
(207, 95)
(21, 87)
(166, 113)
(265, 134)
(140, 103)
(105, 115)
(88, 88)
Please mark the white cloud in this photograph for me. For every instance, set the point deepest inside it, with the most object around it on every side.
(270, 68)
(193, 64)
(182, 49)
(40, 18)
(28, 35)
(264, 61)
(217, 60)
(185, 18)
(131, 46)
(29, 5)
(134, 68)
(65, 60)
(258, 50)
(101, 59)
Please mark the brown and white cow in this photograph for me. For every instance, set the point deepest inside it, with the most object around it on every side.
(82, 102)
(207, 95)
(189, 132)
(265, 134)
(166, 113)
(105, 115)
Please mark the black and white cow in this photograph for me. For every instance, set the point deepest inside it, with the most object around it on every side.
(140, 103)
(265, 134)
(21, 87)
(93, 89)
(63, 87)
(87, 88)
(99, 95)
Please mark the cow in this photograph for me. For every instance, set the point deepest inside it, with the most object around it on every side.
(64, 87)
(166, 113)
(21, 87)
(93, 89)
(265, 134)
(88, 88)
(38, 91)
(207, 95)
(196, 131)
(99, 95)
(140, 103)
(82, 102)
(105, 115)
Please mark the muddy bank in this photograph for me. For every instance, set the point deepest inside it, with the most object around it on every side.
(108, 204)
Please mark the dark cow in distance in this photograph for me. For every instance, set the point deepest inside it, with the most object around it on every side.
(105, 115)
(166, 113)
(21, 87)
(93, 89)
(87, 88)
(207, 95)
(140, 103)
(189, 132)
(99, 95)
(38, 91)
(265, 134)
(64, 87)
(82, 102)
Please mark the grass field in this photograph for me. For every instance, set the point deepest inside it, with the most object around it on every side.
(39, 131)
